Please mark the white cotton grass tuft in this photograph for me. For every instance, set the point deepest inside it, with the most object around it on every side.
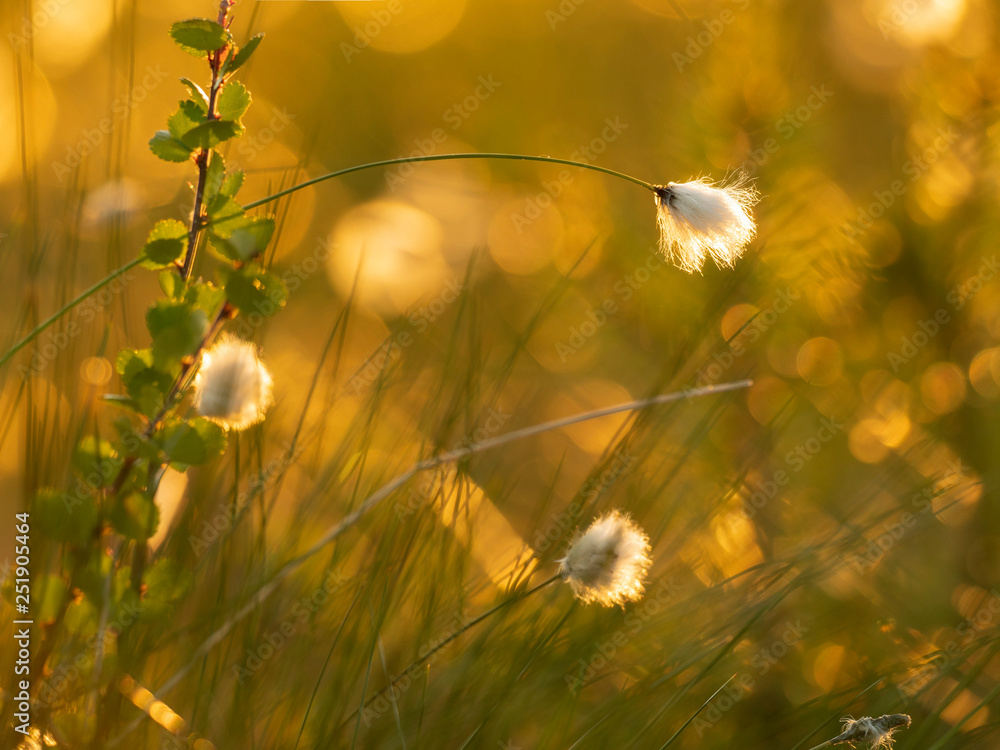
(699, 219)
(233, 387)
(608, 562)
(876, 733)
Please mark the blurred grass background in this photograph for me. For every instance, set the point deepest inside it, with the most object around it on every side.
(830, 530)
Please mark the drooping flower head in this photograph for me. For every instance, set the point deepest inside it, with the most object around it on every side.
(698, 219)
(876, 732)
(232, 388)
(608, 562)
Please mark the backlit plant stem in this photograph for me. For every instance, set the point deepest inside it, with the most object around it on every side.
(448, 157)
(201, 160)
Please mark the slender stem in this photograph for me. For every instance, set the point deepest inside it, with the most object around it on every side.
(446, 157)
(201, 160)
(187, 367)
(693, 716)
(66, 308)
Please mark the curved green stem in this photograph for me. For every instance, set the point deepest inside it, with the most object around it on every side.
(445, 157)
(66, 308)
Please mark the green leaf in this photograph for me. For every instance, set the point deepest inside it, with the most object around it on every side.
(123, 402)
(146, 385)
(191, 442)
(214, 176)
(233, 101)
(224, 215)
(149, 388)
(135, 441)
(64, 517)
(167, 243)
(212, 133)
(244, 54)
(252, 289)
(185, 119)
(232, 184)
(199, 35)
(135, 516)
(165, 583)
(177, 329)
(205, 296)
(96, 461)
(171, 283)
(168, 148)
(247, 239)
(197, 93)
(130, 361)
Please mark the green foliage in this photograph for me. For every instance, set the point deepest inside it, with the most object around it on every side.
(215, 176)
(96, 461)
(224, 215)
(134, 515)
(233, 101)
(205, 296)
(64, 517)
(144, 382)
(100, 581)
(197, 93)
(232, 184)
(167, 147)
(242, 238)
(252, 289)
(244, 53)
(190, 442)
(166, 583)
(171, 284)
(211, 133)
(177, 329)
(197, 36)
(189, 116)
(166, 244)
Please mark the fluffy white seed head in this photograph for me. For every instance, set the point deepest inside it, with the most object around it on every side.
(698, 219)
(608, 562)
(232, 388)
(877, 733)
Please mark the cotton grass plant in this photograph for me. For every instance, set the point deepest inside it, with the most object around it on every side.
(329, 674)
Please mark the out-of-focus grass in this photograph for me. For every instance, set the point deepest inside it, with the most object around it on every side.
(811, 559)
